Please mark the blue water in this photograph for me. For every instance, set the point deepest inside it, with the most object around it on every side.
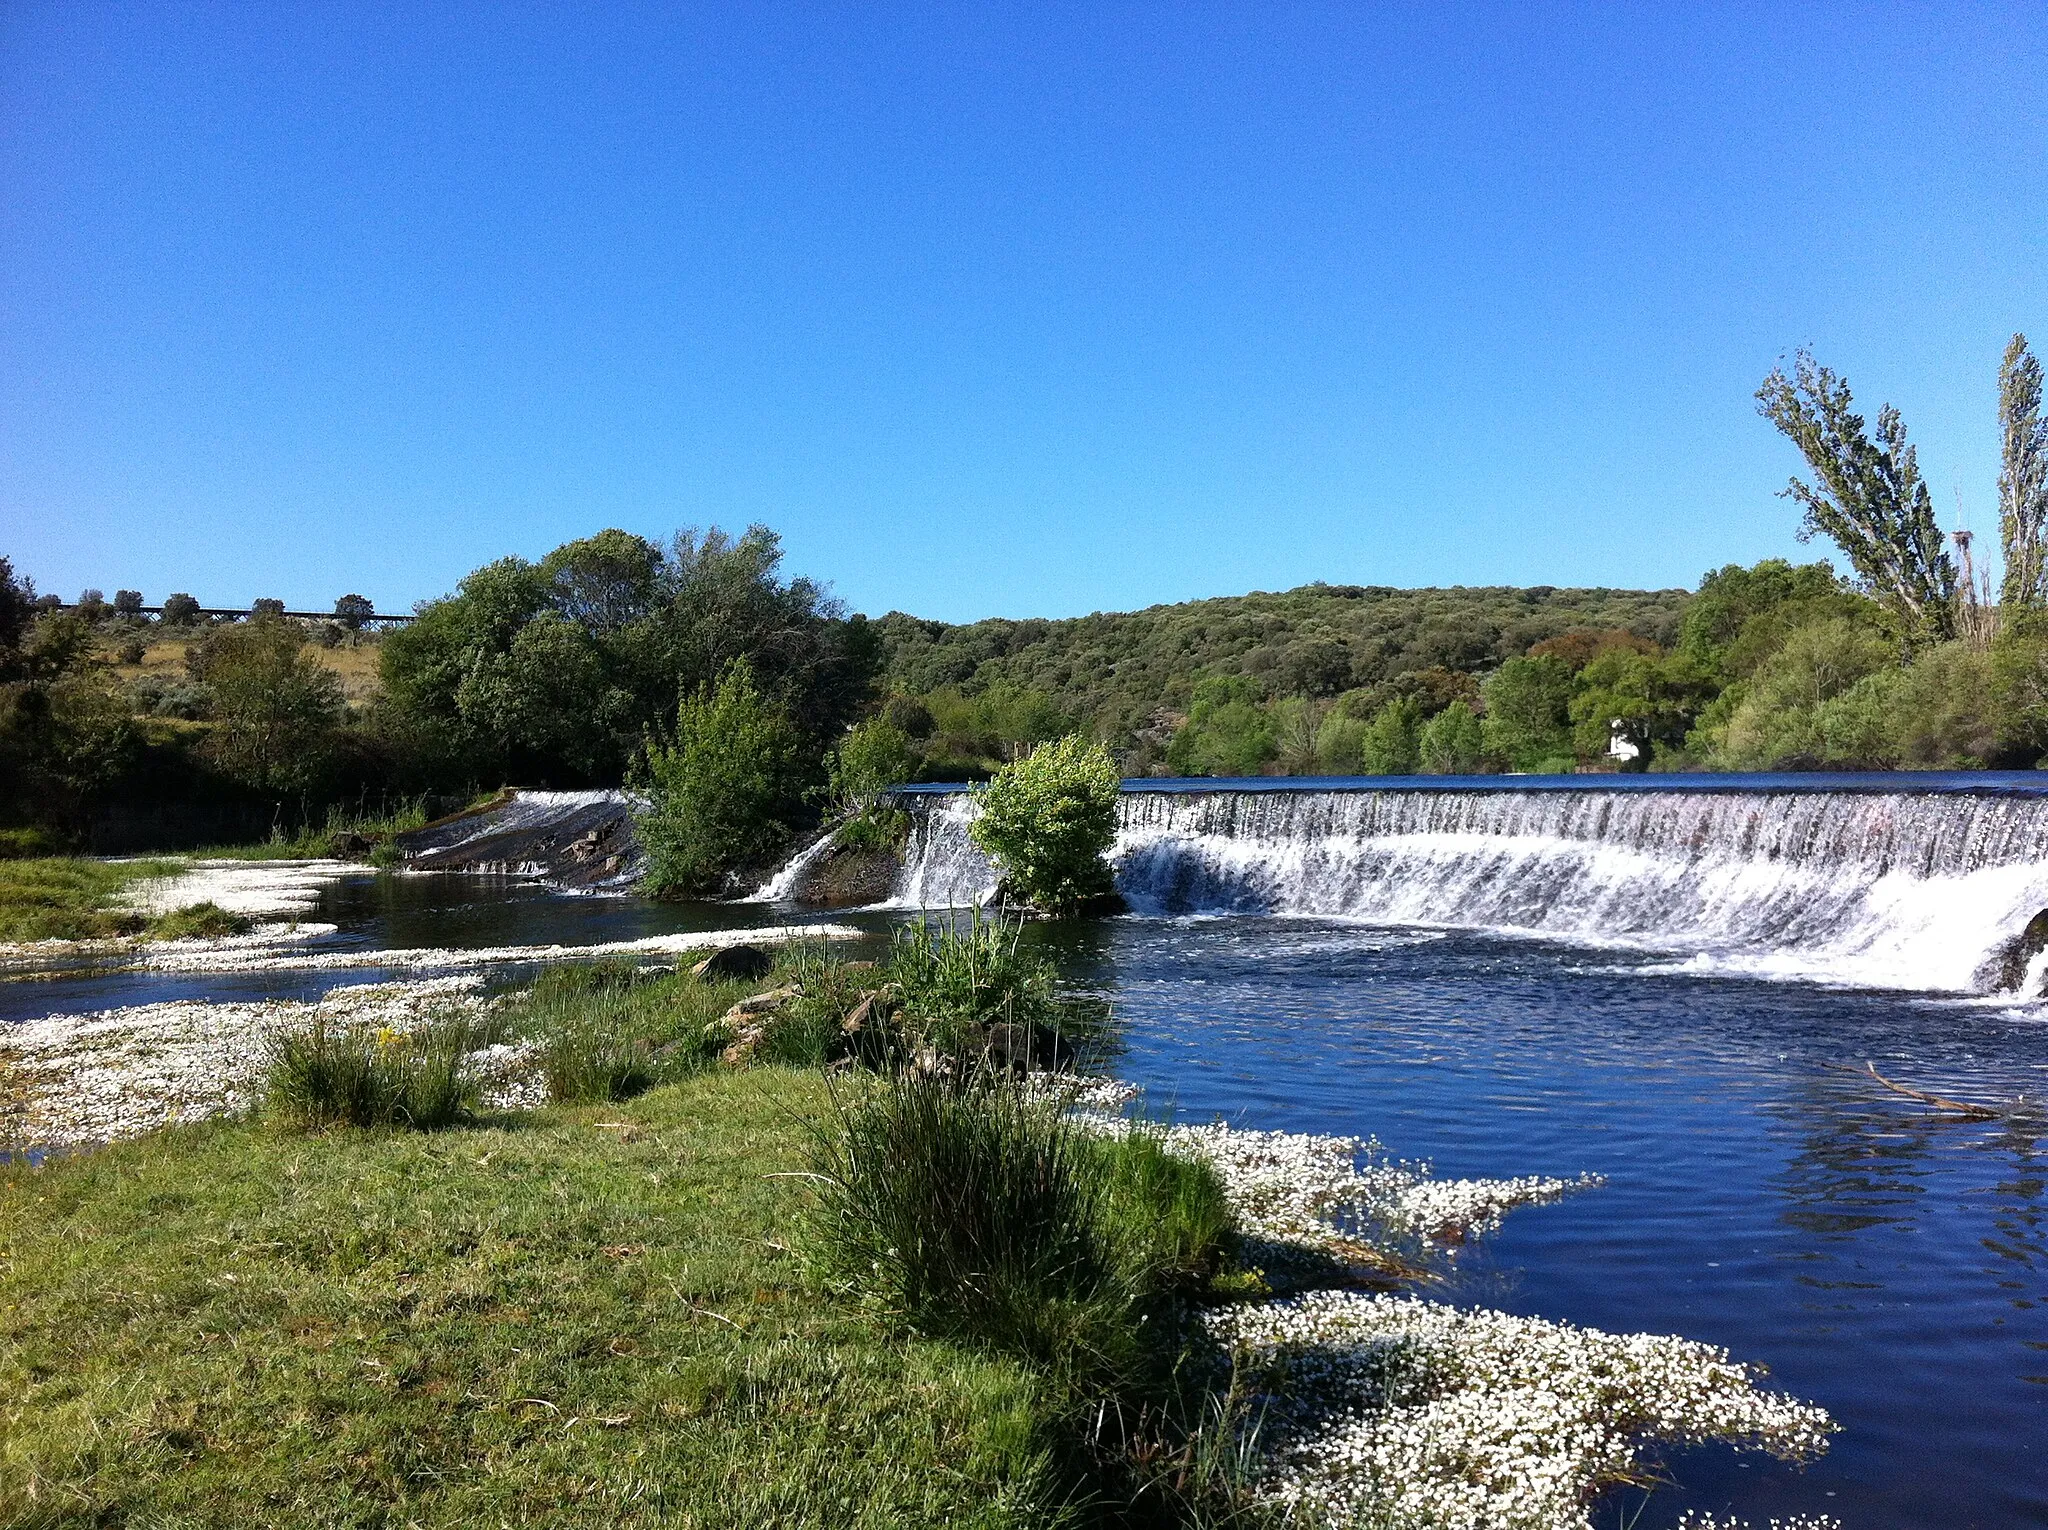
(1884, 1262)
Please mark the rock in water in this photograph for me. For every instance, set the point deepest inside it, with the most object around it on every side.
(734, 963)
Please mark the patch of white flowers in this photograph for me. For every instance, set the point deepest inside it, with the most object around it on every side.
(1329, 1194)
(1408, 1413)
(67, 1080)
(1693, 1519)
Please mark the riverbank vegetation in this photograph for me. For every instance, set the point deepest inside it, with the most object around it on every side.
(67, 898)
(606, 661)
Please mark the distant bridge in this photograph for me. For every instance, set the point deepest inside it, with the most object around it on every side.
(237, 613)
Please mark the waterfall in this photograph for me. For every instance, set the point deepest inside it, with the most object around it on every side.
(1908, 888)
(784, 883)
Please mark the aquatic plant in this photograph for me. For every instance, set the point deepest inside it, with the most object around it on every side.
(1404, 1412)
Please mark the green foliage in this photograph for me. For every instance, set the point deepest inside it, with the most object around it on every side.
(1741, 615)
(554, 672)
(1869, 497)
(981, 1214)
(1048, 820)
(2019, 686)
(723, 788)
(326, 1075)
(1124, 673)
(2023, 479)
(1227, 733)
(276, 708)
(1391, 744)
(1654, 700)
(1340, 745)
(1451, 743)
(1945, 716)
(1777, 722)
(873, 757)
(957, 979)
(1528, 712)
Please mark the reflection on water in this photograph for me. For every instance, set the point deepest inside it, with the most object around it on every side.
(1884, 1262)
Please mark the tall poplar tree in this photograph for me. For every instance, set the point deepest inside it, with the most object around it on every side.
(1869, 497)
(2023, 479)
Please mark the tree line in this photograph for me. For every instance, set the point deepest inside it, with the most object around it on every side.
(699, 670)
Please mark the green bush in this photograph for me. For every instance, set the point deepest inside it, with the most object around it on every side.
(325, 1075)
(982, 1214)
(723, 788)
(1390, 745)
(1048, 821)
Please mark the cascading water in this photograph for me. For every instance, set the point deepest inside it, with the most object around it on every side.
(1908, 888)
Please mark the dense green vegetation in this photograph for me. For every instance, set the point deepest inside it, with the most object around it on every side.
(1048, 821)
(750, 705)
(62, 898)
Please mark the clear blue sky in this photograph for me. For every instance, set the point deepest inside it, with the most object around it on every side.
(989, 311)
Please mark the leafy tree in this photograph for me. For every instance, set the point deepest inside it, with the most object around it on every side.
(2023, 479)
(1340, 745)
(1776, 725)
(1451, 743)
(1048, 821)
(1392, 741)
(276, 708)
(17, 608)
(1741, 615)
(127, 602)
(2019, 685)
(1945, 716)
(554, 671)
(1528, 711)
(1581, 646)
(1869, 498)
(92, 606)
(1650, 701)
(266, 606)
(180, 610)
(723, 788)
(1297, 724)
(1227, 733)
(873, 757)
(354, 611)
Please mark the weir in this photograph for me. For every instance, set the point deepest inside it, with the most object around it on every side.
(1919, 881)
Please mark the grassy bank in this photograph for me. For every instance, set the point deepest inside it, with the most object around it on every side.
(69, 898)
(590, 1316)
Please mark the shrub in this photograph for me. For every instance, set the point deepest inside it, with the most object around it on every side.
(348, 1076)
(957, 981)
(981, 1214)
(276, 706)
(1048, 821)
(180, 610)
(723, 787)
(1390, 745)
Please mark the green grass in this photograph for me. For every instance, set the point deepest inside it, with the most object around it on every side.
(589, 1317)
(71, 898)
(348, 1076)
(611, 1029)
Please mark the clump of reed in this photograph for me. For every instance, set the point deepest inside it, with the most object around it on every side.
(330, 1075)
(979, 1212)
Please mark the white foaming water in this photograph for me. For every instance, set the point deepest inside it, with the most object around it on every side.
(1883, 889)
(785, 882)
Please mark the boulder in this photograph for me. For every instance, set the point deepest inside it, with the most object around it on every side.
(734, 963)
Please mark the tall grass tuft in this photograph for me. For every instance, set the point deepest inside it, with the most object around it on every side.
(350, 1076)
(959, 979)
(590, 1062)
(980, 1213)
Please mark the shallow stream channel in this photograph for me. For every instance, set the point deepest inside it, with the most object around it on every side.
(1883, 1259)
